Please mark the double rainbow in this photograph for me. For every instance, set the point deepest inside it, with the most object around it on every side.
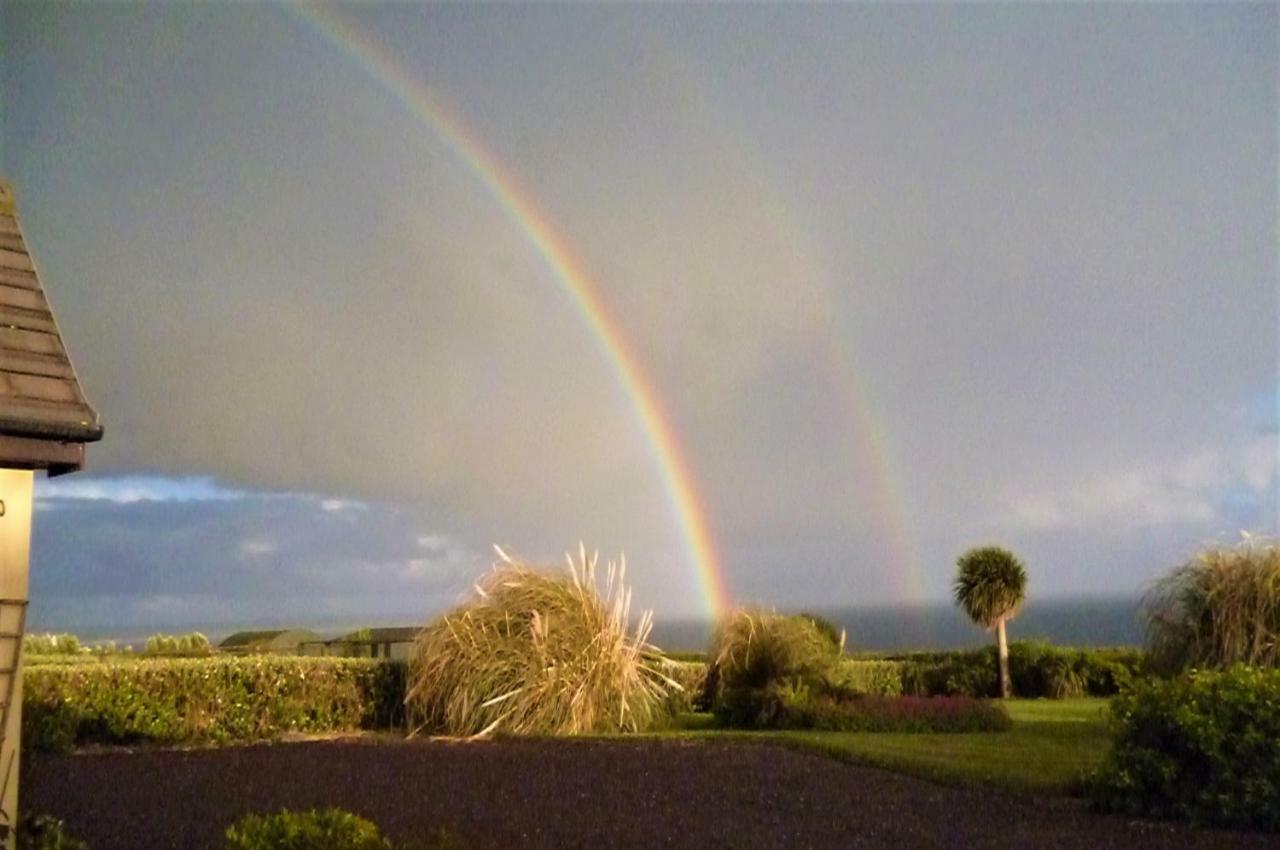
(542, 236)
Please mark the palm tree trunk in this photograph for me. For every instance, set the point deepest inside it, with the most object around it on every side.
(1006, 686)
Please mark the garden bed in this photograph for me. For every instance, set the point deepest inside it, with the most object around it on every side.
(542, 793)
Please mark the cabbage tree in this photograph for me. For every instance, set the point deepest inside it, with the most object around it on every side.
(990, 586)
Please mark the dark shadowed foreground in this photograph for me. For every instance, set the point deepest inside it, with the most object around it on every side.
(566, 794)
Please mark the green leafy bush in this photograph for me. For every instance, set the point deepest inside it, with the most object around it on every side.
(45, 832)
(537, 652)
(1203, 746)
(873, 677)
(330, 829)
(207, 700)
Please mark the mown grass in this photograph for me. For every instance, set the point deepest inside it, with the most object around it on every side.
(1053, 744)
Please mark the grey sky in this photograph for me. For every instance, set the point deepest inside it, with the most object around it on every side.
(1024, 258)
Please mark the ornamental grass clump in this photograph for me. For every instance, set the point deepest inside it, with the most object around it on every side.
(538, 653)
(1218, 609)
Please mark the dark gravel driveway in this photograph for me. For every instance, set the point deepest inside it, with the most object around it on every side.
(567, 794)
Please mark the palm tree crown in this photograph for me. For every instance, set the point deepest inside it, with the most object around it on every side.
(990, 585)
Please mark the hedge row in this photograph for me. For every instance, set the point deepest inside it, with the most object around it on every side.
(207, 700)
(1038, 670)
(1204, 746)
(871, 677)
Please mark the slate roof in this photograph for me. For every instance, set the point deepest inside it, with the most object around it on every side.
(44, 416)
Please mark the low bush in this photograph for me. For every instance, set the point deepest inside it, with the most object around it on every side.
(207, 700)
(1204, 746)
(45, 832)
(538, 653)
(796, 706)
(330, 829)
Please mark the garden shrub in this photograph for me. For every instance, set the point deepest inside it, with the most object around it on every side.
(1203, 746)
(45, 832)
(328, 829)
(207, 700)
(541, 653)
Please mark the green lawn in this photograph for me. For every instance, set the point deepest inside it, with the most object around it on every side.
(1052, 744)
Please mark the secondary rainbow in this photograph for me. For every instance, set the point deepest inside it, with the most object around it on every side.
(568, 271)
(870, 438)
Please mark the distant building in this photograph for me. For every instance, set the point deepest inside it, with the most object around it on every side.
(394, 642)
(276, 641)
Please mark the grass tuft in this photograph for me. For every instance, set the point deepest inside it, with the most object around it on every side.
(1218, 609)
(539, 653)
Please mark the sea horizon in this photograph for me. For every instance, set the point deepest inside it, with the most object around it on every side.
(1075, 621)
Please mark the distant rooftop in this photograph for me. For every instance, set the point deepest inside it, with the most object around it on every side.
(268, 639)
(390, 634)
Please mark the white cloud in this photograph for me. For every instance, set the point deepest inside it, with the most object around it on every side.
(1189, 490)
(131, 489)
(432, 541)
(332, 505)
(256, 547)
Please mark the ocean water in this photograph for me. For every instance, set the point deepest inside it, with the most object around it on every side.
(1073, 622)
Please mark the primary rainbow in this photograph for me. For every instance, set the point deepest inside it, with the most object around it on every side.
(568, 271)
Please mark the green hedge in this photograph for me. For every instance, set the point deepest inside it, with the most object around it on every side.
(871, 677)
(1038, 669)
(207, 700)
(1204, 746)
